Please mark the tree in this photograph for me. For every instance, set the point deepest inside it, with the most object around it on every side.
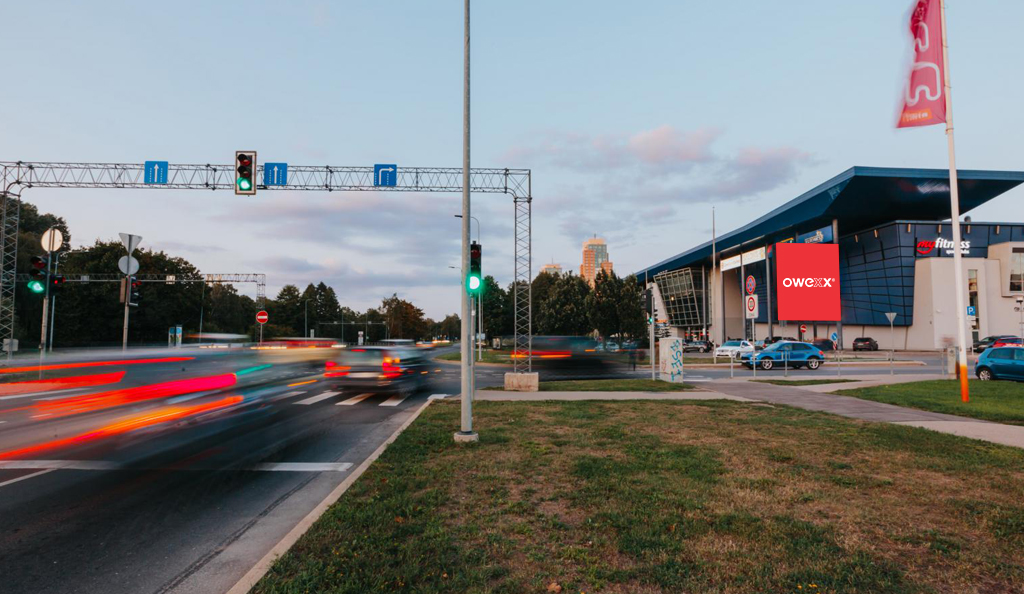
(604, 303)
(632, 318)
(497, 308)
(286, 311)
(564, 310)
(404, 319)
(539, 290)
(451, 327)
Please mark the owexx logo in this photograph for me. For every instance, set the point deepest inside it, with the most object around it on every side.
(807, 280)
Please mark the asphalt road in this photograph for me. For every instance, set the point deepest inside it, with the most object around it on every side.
(188, 510)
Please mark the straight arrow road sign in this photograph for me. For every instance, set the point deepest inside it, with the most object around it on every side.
(275, 174)
(156, 172)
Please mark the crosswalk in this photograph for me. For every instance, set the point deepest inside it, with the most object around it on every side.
(311, 398)
(317, 398)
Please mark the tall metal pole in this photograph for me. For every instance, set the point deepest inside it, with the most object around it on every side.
(305, 320)
(202, 297)
(954, 205)
(466, 433)
(127, 298)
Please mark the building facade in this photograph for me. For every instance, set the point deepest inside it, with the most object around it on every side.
(895, 257)
(595, 259)
(551, 268)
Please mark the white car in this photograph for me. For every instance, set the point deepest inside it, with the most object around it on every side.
(734, 348)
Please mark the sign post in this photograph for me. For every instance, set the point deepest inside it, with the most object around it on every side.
(130, 243)
(262, 317)
(892, 340)
(52, 241)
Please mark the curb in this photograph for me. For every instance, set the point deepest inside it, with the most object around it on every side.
(254, 575)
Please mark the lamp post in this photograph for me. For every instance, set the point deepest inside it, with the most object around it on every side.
(479, 300)
(1020, 308)
(305, 318)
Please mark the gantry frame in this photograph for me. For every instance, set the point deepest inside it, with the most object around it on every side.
(16, 176)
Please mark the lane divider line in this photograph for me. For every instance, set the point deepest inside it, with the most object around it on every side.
(317, 398)
(27, 476)
(355, 399)
(261, 568)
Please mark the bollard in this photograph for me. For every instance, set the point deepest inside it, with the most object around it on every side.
(785, 362)
(892, 355)
(839, 363)
(753, 363)
(731, 359)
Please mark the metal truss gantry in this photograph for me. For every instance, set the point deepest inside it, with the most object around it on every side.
(170, 279)
(16, 176)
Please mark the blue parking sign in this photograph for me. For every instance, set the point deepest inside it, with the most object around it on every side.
(971, 310)
(385, 175)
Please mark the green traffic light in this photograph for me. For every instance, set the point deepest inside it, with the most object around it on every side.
(244, 184)
(36, 286)
(473, 283)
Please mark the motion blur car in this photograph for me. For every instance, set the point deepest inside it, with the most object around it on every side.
(980, 345)
(824, 344)
(379, 369)
(785, 353)
(734, 348)
(865, 343)
(1007, 341)
(1001, 363)
(697, 346)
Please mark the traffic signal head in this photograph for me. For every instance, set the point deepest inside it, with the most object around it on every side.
(133, 291)
(56, 282)
(245, 173)
(474, 280)
(36, 286)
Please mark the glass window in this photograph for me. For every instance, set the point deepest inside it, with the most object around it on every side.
(1001, 353)
(1018, 354)
(1017, 270)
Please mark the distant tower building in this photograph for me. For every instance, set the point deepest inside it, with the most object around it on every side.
(552, 268)
(595, 258)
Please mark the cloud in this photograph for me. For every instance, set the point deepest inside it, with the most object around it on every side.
(172, 246)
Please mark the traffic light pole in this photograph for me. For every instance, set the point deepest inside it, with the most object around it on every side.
(127, 299)
(46, 317)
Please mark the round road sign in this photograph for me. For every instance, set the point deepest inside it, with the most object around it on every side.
(262, 317)
(52, 239)
(751, 304)
(803, 328)
(751, 284)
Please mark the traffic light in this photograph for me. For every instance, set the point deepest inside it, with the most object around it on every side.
(56, 282)
(649, 304)
(474, 281)
(245, 173)
(133, 291)
(39, 273)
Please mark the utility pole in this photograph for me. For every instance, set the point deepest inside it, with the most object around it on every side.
(466, 434)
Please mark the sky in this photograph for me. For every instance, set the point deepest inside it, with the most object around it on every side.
(635, 119)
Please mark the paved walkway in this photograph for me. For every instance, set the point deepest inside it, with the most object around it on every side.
(496, 395)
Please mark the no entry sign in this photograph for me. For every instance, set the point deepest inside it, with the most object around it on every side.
(262, 317)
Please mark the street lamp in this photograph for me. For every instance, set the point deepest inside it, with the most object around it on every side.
(479, 301)
(1020, 308)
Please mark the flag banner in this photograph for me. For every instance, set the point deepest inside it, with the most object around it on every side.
(924, 103)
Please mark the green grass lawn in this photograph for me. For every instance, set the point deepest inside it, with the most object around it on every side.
(806, 382)
(488, 357)
(658, 497)
(1000, 401)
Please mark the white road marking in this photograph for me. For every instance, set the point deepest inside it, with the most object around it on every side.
(437, 396)
(304, 466)
(355, 399)
(290, 394)
(27, 476)
(394, 400)
(318, 398)
(60, 464)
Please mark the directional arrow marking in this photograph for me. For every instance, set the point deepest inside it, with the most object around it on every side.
(380, 173)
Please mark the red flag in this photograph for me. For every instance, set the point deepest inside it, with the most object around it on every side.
(923, 102)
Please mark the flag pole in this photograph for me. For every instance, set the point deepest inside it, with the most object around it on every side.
(954, 198)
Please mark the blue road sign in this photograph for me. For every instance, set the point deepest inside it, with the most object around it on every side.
(971, 311)
(835, 336)
(385, 175)
(275, 174)
(156, 172)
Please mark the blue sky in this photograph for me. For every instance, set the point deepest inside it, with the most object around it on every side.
(635, 118)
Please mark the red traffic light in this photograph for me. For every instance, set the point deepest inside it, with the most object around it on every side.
(39, 262)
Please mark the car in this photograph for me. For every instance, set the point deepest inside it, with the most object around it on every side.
(697, 346)
(824, 344)
(785, 354)
(865, 343)
(1007, 341)
(760, 344)
(984, 343)
(734, 348)
(1000, 363)
(379, 369)
(611, 347)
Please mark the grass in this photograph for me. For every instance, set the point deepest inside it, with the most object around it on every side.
(1000, 401)
(806, 382)
(667, 496)
(610, 385)
(488, 357)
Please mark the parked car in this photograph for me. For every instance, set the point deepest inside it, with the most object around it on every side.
(611, 347)
(379, 369)
(1001, 363)
(697, 346)
(760, 344)
(984, 343)
(734, 348)
(823, 344)
(865, 343)
(785, 353)
(1007, 341)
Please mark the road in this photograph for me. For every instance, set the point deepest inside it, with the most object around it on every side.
(191, 506)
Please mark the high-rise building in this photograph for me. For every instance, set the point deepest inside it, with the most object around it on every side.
(552, 268)
(595, 258)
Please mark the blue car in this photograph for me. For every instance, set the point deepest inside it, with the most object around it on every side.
(1001, 363)
(785, 353)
